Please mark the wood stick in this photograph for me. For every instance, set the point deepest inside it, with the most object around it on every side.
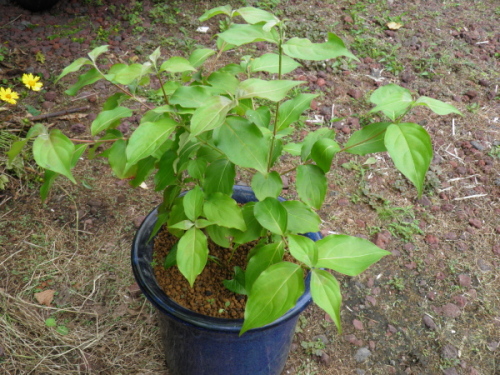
(60, 113)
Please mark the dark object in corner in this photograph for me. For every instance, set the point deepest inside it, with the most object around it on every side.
(36, 5)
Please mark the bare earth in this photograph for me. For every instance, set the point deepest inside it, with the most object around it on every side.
(431, 308)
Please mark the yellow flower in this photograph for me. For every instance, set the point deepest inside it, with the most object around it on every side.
(31, 82)
(9, 96)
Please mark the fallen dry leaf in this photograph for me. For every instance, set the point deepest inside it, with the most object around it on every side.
(394, 26)
(45, 297)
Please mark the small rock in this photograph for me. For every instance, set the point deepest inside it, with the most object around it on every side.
(320, 82)
(362, 354)
(472, 293)
(450, 310)
(449, 352)
(476, 223)
(358, 324)
(382, 239)
(138, 221)
(477, 145)
(464, 280)
(496, 249)
(473, 371)
(355, 93)
(471, 94)
(450, 371)
(321, 338)
(50, 96)
(78, 128)
(429, 322)
(372, 300)
(431, 239)
(285, 182)
(461, 301)
(134, 290)
(484, 266)
(424, 201)
(493, 346)
(391, 329)
(360, 372)
(325, 358)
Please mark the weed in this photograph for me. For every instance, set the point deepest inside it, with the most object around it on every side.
(404, 224)
(495, 151)
(313, 347)
(397, 283)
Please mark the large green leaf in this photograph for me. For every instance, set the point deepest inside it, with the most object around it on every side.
(369, 139)
(262, 258)
(254, 15)
(346, 254)
(197, 168)
(254, 229)
(260, 117)
(437, 106)
(311, 185)
(224, 211)
(190, 96)
(176, 64)
(54, 151)
(325, 291)
(193, 203)
(272, 90)
(146, 139)
(410, 148)
(291, 110)
(303, 249)
(73, 67)
(198, 57)
(304, 49)
(239, 34)
(267, 186)
(276, 291)
(117, 159)
(108, 119)
(49, 178)
(219, 177)
(323, 152)
(243, 143)
(87, 78)
(225, 9)
(211, 115)
(144, 168)
(96, 52)
(392, 100)
(219, 235)
(165, 175)
(129, 73)
(301, 218)
(272, 215)
(312, 138)
(236, 285)
(192, 254)
(270, 62)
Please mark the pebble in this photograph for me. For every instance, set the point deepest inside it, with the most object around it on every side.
(449, 352)
(464, 280)
(138, 221)
(134, 290)
(450, 310)
(476, 223)
(355, 93)
(484, 266)
(325, 358)
(358, 324)
(477, 145)
(429, 322)
(450, 371)
(362, 354)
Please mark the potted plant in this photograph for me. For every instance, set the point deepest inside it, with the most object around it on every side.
(215, 120)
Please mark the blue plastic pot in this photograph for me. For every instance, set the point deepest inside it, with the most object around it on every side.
(196, 344)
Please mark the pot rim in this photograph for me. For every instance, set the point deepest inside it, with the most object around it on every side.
(141, 258)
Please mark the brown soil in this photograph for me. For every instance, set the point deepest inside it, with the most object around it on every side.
(208, 295)
(431, 308)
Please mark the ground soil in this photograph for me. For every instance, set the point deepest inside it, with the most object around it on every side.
(431, 308)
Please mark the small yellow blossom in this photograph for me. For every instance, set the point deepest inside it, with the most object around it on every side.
(31, 82)
(9, 96)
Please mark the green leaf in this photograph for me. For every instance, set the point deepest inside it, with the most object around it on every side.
(369, 139)
(303, 249)
(302, 48)
(165, 175)
(260, 117)
(87, 78)
(254, 229)
(73, 67)
(291, 110)
(347, 255)
(182, 225)
(190, 96)
(114, 101)
(48, 180)
(144, 169)
(129, 73)
(312, 138)
(176, 64)
(236, 285)
(311, 185)
(62, 330)
(219, 235)
(171, 258)
(118, 160)
(193, 203)
(270, 63)
(109, 119)
(255, 15)
(226, 9)
(50, 322)
(54, 151)
(219, 177)
(197, 167)
(272, 90)
(211, 115)
(147, 138)
(274, 293)
(199, 56)
(410, 147)
(192, 254)
(224, 211)
(243, 143)
(267, 186)
(262, 258)
(224, 83)
(271, 215)
(323, 152)
(437, 106)
(243, 34)
(392, 100)
(96, 52)
(301, 218)
(325, 291)
(155, 56)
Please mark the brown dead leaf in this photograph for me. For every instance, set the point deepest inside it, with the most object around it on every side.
(394, 25)
(45, 297)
